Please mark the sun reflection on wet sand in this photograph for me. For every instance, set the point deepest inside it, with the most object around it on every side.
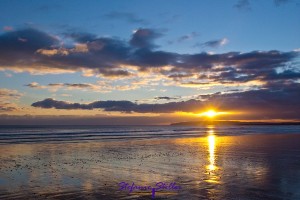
(211, 168)
(211, 139)
(211, 144)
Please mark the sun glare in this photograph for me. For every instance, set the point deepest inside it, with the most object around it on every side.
(210, 113)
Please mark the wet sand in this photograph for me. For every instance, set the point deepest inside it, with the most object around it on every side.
(211, 167)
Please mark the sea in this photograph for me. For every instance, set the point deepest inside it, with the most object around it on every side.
(74, 134)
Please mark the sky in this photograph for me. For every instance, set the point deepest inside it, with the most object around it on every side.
(148, 62)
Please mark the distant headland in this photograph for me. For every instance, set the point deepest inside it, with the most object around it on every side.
(222, 122)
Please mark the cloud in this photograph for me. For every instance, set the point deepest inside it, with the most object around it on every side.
(6, 107)
(100, 86)
(143, 38)
(166, 98)
(188, 37)
(42, 53)
(50, 103)
(243, 5)
(215, 43)
(35, 85)
(7, 93)
(129, 17)
(180, 76)
(184, 38)
(77, 85)
(18, 49)
(277, 100)
(59, 85)
(119, 106)
(7, 99)
(32, 50)
(25, 41)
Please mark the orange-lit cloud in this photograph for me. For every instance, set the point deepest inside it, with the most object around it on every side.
(8, 100)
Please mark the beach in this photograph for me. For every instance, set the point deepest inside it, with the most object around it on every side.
(261, 166)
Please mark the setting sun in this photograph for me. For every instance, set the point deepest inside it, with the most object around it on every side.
(210, 113)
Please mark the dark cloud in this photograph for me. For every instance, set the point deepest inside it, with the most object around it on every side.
(277, 100)
(179, 76)
(285, 75)
(116, 73)
(27, 39)
(257, 66)
(59, 85)
(145, 58)
(30, 49)
(129, 17)
(33, 85)
(70, 85)
(77, 85)
(55, 84)
(121, 106)
(143, 38)
(195, 83)
(50, 103)
(166, 98)
(19, 47)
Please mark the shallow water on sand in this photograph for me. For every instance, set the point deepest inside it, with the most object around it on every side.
(206, 167)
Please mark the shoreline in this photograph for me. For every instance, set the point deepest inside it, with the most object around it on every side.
(144, 139)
